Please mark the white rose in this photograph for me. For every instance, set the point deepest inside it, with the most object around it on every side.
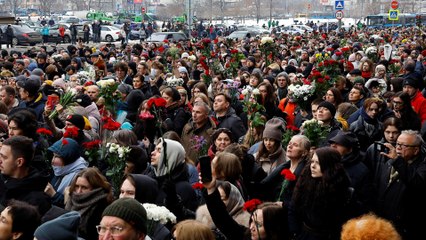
(256, 91)
(245, 92)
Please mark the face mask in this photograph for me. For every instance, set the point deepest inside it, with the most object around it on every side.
(58, 171)
(153, 72)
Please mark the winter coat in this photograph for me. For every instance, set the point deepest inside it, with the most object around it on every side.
(176, 118)
(232, 122)
(37, 105)
(189, 132)
(29, 189)
(365, 138)
(401, 198)
(419, 104)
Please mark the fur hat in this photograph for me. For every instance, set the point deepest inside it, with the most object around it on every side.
(274, 129)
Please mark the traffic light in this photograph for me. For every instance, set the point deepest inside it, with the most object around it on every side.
(419, 20)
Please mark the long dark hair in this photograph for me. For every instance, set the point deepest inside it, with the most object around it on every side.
(326, 191)
(275, 221)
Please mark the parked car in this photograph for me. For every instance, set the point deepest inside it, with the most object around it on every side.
(170, 36)
(23, 35)
(304, 28)
(110, 33)
(240, 35)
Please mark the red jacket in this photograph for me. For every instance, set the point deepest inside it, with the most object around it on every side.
(418, 102)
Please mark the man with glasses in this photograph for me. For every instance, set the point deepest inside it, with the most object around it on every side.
(401, 185)
(124, 219)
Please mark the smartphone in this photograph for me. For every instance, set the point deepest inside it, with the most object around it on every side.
(52, 100)
(380, 147)
(205, 169)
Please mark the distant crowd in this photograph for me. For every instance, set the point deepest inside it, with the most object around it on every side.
(316, 136)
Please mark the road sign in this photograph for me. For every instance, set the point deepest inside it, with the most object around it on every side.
(393, 15)
(143, 10)
(394, 5)
(339, 5)
(339, 15)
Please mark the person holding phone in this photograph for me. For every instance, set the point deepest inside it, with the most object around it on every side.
(373, 157)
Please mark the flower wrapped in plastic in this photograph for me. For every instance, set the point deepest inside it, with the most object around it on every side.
(301, 94)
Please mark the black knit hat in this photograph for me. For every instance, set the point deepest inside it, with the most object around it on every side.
(129, 210)
(77, 120)
(329, 106)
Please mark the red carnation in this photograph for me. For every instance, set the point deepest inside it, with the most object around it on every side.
(44, 131)
(216, 40)
(112, 125)
(64, 141)
(288, 175)
(206, 40)
(71, 132)
(320, 80)
(91, 144)
(234, 51)
(338, 53)
(197, 185)
(251, 205)
(424, 53)
(160, 102)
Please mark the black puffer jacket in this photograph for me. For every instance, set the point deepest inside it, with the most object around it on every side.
(232, 122)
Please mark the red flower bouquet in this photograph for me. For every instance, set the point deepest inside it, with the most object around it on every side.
(44, 132)
(71, 132)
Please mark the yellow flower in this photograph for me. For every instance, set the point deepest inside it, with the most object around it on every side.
(326, 54)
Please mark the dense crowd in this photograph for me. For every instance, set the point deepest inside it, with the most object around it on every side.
(307, 136)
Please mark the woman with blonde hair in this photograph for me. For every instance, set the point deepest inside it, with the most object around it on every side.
(192, 230)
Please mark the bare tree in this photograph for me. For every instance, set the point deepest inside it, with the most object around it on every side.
(13, 5)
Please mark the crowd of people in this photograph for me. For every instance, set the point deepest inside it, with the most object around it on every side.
(308, 136)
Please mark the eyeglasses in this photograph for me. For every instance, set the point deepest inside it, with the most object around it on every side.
(114, 230)
(401, 145)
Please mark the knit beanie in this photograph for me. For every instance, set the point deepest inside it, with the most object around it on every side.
(129, 210)
(64, 227)
(77, 120)
(329, 106)
(69, 152)
(83, 100)
(274, 129)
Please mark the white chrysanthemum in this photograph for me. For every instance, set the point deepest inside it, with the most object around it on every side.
(159, 214)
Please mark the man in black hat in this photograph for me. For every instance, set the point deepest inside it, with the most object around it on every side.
(418, 102)
(346, 143)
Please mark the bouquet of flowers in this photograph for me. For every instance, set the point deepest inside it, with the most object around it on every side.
(268, 48)
(288, 177)
(108, 93)
(173, 52)
(234, 64)
(320, 57)
(321, 82)
(346, 52)
(200, 145)
(91, 150)
(116, 160)
(157, 214)
(233, 91)
(315, 131)
(301, 94)
(156, 108)
(394, 67)
(288, 134)
(66, 100)
(329, 67)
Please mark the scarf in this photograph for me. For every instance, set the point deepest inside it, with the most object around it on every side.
(68, 172)
(85, 204)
